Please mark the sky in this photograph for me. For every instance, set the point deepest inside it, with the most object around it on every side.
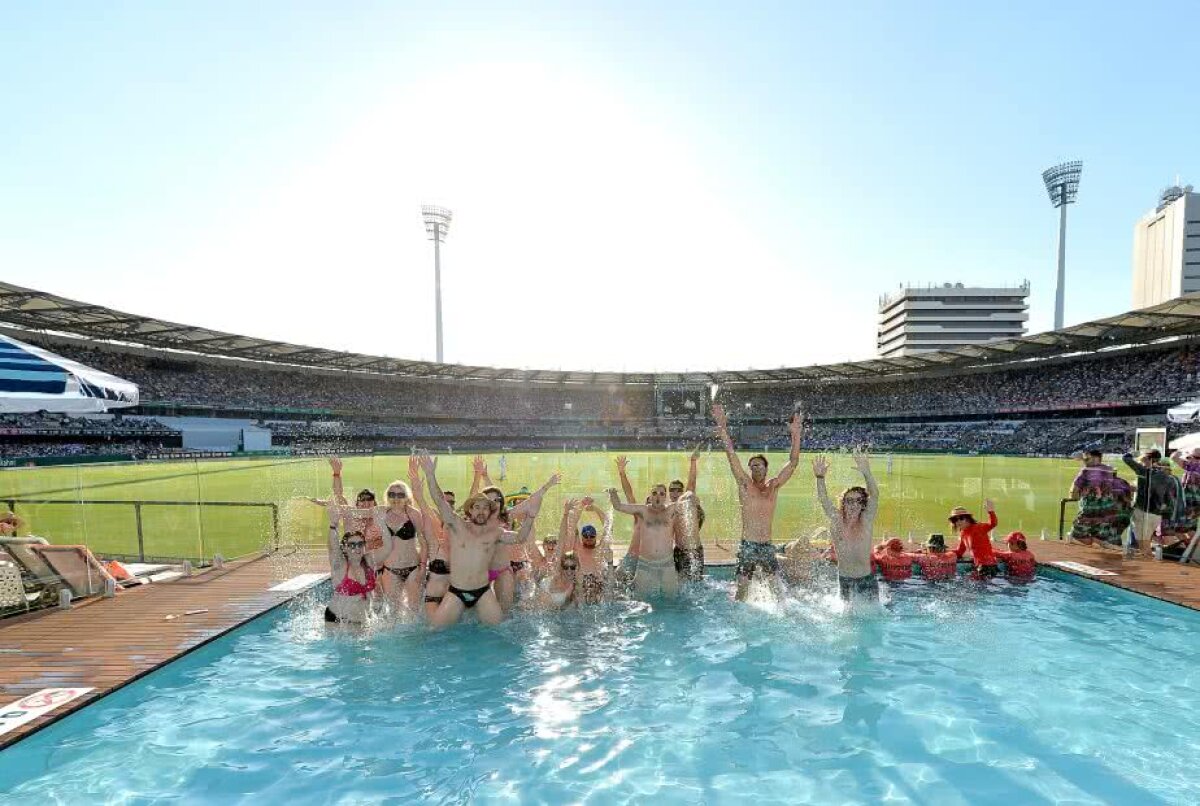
(635, 186)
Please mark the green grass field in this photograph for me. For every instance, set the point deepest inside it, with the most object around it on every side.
(917, 494)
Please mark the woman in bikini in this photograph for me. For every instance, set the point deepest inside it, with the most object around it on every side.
(406, 546)
(360, 517)
(354, 578)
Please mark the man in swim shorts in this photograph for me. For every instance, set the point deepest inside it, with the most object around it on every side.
(472, 543)
(758, 496)
(655, 573)
(851, 524)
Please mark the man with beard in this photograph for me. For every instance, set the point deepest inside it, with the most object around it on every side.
(472, 542)
(757, 495)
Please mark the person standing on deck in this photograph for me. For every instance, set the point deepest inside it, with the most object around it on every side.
(1092, 488)
(757, 496)
(1150, 499)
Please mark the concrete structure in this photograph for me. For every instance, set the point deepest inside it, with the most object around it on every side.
(1166, 248)
(917, 320)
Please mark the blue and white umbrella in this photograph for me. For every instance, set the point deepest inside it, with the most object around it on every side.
(33, 379)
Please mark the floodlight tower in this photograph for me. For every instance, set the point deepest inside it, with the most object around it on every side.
(1062, 184)
(437, 223)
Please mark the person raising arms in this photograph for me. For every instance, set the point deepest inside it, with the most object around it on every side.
(757, 496)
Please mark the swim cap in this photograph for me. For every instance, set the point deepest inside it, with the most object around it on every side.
(588, 531)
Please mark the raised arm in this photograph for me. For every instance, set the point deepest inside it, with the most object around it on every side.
(820, 468)
(567, 526)
(796, 429)
(622, 471)
(339, 493)
(628, 509)
(727, 442)
(693, 470)
(530, 507)
(477, 477)
(429, 518)
(429, 465)
(863, 462)
(336, 560)
(1137, 469)
(991, 511)
(522, 536)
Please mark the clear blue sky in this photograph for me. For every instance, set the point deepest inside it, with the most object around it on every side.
(648, 186)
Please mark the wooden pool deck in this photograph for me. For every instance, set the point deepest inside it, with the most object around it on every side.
(104, 644)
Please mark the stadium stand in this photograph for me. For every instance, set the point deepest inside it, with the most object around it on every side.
(1086, 386)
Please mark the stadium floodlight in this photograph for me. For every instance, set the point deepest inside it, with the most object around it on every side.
(1062, 185)
(437, 223)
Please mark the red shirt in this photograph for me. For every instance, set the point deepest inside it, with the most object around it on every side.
(975, 537)
(940, 565)
(1020, 563)
(894, 565)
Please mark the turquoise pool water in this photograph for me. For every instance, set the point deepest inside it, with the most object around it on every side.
(1060, 691)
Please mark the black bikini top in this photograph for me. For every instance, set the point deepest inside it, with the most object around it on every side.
(405, 532)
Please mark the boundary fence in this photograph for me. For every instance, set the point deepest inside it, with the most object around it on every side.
(137, 505)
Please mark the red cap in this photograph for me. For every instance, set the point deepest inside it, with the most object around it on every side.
(895, 544)
(1013, 537)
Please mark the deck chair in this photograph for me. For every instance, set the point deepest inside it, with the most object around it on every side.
(39, 584)
(21, 550)
(77, 567)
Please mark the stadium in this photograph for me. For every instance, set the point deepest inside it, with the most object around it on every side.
(230, 432)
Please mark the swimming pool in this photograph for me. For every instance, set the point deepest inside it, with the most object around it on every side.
(1037, 693)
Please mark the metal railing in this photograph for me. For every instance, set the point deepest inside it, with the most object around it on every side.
(138, 505)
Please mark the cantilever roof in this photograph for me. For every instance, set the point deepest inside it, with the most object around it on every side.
(42, 311)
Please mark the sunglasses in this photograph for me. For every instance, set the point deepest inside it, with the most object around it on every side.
(356, 544)
(570, 568)
(396, 495)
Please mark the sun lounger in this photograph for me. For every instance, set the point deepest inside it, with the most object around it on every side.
(77, 568)
(34, 566)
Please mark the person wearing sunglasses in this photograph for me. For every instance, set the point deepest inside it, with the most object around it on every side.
(361, 516)
(974, 536)
(353, 573)
(558, 590)
(851, 524)
(406, 546)
(592, 554)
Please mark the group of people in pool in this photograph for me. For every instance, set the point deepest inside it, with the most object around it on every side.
(444, 561)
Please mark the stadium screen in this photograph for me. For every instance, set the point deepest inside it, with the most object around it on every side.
(1148, 438)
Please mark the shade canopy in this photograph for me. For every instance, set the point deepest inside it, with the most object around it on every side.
(33, 379)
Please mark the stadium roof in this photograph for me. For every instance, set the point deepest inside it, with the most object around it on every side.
(41, 311)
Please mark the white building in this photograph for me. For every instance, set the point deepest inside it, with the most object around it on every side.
(916, 320)
(1166, 248)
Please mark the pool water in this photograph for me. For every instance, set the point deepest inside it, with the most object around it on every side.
(1058, 691)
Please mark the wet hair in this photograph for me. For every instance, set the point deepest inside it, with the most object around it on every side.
(448, 493)
(570, 555)
(675, 482)
(866, 496)
(766, 464)
(366, 492)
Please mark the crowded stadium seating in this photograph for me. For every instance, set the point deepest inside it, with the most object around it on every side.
(1054, 406)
